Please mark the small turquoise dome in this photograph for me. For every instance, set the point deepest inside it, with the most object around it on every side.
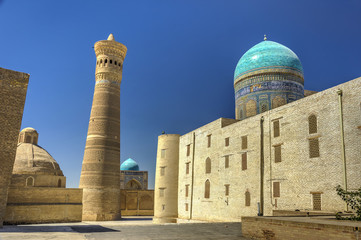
(267, 55)
(129, 165)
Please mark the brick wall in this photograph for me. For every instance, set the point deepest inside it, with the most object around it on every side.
(294, 175)
(137, 202)
(43, 205)
(13, 87)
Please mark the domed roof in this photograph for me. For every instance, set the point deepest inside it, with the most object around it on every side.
(267, 55)
(28, 129)
(129, 165)
(33, 159)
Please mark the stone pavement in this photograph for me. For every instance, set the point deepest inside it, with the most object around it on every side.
(128, 228)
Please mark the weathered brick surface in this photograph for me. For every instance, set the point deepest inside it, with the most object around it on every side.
(137, 202)
(285, 229)
(13, 86)
(43, 205)
(100, 174)
(298, 174)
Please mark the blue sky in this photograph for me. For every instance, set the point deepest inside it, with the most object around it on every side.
(178, 72)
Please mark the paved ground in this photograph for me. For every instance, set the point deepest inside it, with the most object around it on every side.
(129, 228)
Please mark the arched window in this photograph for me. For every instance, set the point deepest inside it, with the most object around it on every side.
(106, 61)
(101, 61)
(207, 189)
(208, 165)
(115, 62)
(251, 108)
(278, 101)
(111, 61)
(28, 139)
(312, 124)
(59, 182)
(248, 198)
(264, 107)
(29, 181)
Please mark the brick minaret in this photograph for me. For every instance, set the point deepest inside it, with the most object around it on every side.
(100, 178)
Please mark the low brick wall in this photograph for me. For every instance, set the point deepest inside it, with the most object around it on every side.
(43, 205)
(137, 212)
(278, 228)
(301, 213)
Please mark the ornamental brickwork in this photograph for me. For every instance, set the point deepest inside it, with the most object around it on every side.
(269, 75)
(100, 176)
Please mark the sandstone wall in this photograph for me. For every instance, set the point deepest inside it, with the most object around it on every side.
(218, 206)
(166, 180)
(137, 202)
(13, 87)
(298, 175)
(40, 180)
(43, 205)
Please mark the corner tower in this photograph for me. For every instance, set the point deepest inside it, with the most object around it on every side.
(267, 76)
(100, 175)
(166, 179)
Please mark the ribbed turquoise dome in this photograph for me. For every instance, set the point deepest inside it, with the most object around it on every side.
(267, 55)
(129, 165)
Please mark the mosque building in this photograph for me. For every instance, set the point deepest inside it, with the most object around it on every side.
(131, 177)
(34, 166)
(286, 150)
(136, 198)
(37, 192)
(267, 76)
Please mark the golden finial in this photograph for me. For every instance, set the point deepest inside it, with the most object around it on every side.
(265, 37)
(111, 37)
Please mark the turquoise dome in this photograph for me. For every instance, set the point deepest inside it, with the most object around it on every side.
(267, 55)
(129, 165)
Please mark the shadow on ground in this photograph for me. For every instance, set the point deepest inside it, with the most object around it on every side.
(137, 219)
(79, 229)
(92, 229)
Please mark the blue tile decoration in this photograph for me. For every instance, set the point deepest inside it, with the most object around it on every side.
(276, 86)
(265, 55)
(129, 165)
(266, 71)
